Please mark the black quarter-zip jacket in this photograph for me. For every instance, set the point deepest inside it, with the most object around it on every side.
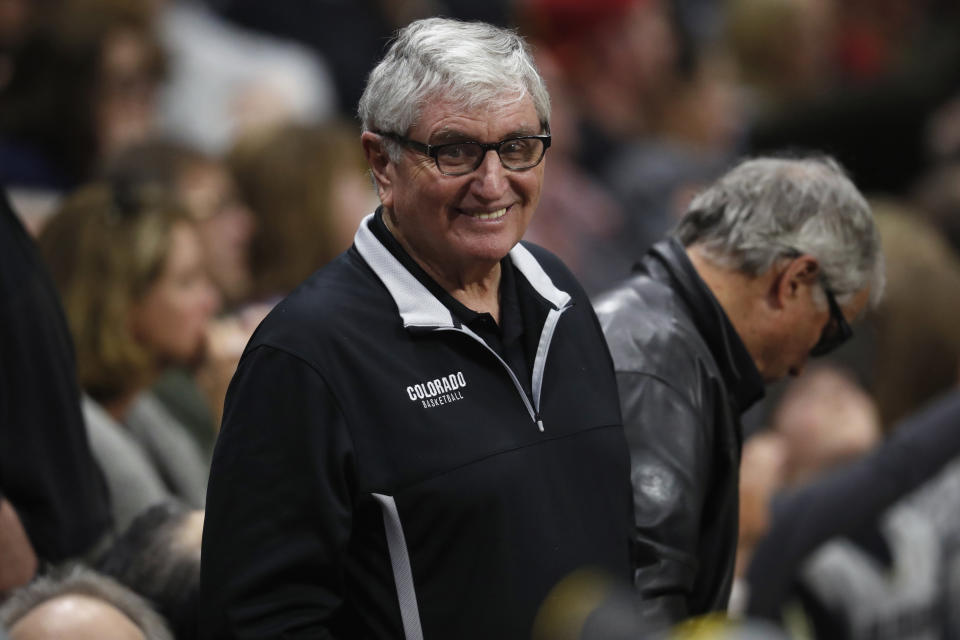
(382, 473)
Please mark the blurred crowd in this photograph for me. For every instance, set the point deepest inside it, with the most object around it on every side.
(182, 165)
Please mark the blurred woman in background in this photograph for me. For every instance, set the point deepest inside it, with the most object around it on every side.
(129, 266)
(308, 187)
(82, 87)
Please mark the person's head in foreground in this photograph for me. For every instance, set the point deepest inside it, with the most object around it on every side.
(158, 556)
(790, 250)
(80, 604)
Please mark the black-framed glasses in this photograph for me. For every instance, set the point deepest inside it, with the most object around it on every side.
(837, 330)
(460, 158)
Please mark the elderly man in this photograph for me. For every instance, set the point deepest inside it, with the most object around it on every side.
(768, 266)
(425, 437)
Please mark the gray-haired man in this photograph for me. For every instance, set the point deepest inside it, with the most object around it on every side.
(424, 438)
(768, 266)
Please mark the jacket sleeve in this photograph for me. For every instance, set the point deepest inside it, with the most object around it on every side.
(670, 465)
(278, 512)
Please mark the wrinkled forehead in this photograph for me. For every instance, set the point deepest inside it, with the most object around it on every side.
(503, 114)
(482, 102)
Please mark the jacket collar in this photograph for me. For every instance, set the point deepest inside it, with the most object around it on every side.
(420, 308)
(740, 373)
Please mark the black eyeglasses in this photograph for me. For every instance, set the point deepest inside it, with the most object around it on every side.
(460, 158)
(837, 330)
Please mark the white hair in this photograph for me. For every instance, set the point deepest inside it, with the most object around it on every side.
(469, 64)
(766, 209)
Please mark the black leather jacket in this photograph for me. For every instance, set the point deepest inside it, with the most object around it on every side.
(684, 378)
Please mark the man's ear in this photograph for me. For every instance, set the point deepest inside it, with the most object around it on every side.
(380, 163)
(801, 272)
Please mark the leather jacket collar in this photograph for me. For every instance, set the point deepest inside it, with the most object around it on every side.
(668, 258)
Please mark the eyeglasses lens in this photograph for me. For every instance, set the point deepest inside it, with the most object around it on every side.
(836, 332)
(515, 154)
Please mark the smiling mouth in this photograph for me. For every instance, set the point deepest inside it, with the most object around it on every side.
(493, 215)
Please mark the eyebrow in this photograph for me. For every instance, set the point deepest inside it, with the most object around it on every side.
(446, 136)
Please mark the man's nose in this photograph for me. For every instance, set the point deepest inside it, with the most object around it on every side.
(491, 177)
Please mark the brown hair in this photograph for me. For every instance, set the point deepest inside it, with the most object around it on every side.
(918, 344)
(286, 176)
(105, 247)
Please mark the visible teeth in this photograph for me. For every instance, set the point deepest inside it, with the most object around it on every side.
(493, 215)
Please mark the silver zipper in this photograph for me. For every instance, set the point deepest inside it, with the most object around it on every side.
(539, 364)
